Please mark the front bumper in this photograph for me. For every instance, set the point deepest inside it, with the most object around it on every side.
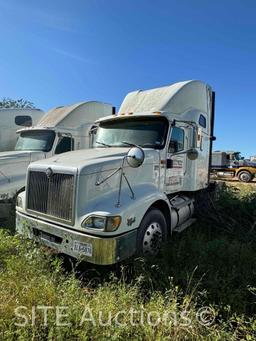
(97, 250)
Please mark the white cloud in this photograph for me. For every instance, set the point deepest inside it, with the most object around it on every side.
(72, 55)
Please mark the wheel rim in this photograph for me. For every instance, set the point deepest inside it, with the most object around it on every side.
(245, 177)
(152, 239)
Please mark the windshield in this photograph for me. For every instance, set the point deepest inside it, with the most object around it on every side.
(144, 132)
(40, 140)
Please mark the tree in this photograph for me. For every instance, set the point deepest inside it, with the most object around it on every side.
(12, 103)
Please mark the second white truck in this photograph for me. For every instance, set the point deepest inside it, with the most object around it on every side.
(60, 130)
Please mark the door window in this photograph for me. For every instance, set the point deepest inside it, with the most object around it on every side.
(177, 140)
(64, 145)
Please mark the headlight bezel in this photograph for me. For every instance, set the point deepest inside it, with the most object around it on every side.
(109, 223)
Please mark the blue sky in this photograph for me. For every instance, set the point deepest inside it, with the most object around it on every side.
(60, 52)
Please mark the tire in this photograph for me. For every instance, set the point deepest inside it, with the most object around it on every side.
(151, 234)
(245, 176)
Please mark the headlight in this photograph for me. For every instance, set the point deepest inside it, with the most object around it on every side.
(107, 224)
(94, 223)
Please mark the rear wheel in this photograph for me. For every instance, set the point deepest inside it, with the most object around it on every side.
(245, 176)
(152, 233)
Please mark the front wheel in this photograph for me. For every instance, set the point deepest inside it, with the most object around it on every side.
(152, 233)
(245, 176)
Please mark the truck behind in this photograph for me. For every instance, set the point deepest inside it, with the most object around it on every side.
(14, 119)
(231, 165)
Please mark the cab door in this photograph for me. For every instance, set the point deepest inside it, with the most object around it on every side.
(176, 164)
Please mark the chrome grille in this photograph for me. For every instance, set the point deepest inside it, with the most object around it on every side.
(52, 195)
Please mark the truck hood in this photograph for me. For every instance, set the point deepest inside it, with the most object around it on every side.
(89, 161)
(97, 183)
(13, 169)
(17, 155)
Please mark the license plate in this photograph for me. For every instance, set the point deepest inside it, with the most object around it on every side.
(83, 248)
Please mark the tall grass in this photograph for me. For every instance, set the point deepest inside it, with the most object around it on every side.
(211, 264)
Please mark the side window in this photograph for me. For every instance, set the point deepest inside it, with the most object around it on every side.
(25, 121)
(64, 145)
(202, 121)
(177, 140)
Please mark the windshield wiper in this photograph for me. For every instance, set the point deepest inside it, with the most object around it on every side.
(103, 144)
(128, 144)
(150, 145)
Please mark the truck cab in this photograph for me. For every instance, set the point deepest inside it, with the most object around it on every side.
(45, 141)
(137, 184)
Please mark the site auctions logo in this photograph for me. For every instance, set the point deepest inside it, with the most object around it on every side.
(59, 315)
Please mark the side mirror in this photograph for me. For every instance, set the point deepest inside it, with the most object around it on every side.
(93, 130)
(92, 135)
(135, 157)
(192, 154)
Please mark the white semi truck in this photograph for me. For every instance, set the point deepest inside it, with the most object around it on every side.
(60, 130)
(137, 185)
(14, 119)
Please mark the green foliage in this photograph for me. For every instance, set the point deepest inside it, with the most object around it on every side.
(210, 264)
(19, 103)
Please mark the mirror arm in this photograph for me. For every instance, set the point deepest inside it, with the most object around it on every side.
(181, 152)
(192, 153)
(98, 183)
(122, 174)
